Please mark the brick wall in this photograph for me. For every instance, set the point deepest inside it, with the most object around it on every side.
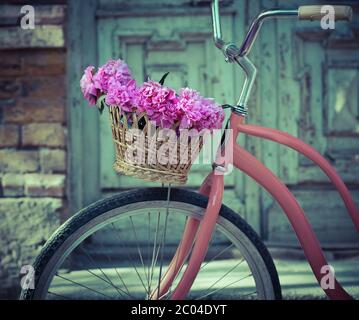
(32, 137)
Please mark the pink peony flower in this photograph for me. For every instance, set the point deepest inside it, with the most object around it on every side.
(159, 102)
(198, 112)
(88, 88)
(112, 70)
(123, 95)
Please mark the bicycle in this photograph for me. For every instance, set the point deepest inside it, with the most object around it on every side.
(199, 217)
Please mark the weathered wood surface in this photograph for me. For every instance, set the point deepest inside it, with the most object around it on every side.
(308, 84)
(325, 212)
(83, 184)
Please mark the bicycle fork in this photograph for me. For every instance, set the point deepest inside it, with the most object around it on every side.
(197, 234)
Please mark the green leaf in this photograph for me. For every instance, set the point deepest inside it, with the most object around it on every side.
(100, 104)
(101, 108)
(162, 81)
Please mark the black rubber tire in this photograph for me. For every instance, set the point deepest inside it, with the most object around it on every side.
(139, 195)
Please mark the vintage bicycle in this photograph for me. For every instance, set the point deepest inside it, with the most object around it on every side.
(238, 266)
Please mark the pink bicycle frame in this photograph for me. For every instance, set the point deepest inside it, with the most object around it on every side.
(198, 233)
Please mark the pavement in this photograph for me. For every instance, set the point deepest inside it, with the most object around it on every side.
(296, 278)
(298, 282)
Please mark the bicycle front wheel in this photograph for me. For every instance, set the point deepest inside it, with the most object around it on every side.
(119, 248)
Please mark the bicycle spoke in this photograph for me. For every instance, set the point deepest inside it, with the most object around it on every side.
(217, 255)
(138, 248)
(123, 282)
(219, 289)
(97, 276)
(148, 251)
(82, 285)
(109, 280)
(164, 239)
(162, 250)
(59, 295)
(227, 273)
(110, 260)
(155, 252)
(128, 255)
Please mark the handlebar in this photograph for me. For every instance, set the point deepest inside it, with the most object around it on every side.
(217, 32)
(313, 12)
(236, 54)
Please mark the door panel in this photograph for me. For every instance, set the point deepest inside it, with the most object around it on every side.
(314, 96)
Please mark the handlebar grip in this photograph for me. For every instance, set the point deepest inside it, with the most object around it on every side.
(312, 13)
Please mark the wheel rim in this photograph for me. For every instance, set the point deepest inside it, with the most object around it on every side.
(249, 255)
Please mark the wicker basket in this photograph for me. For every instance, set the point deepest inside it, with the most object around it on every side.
(151, 169)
